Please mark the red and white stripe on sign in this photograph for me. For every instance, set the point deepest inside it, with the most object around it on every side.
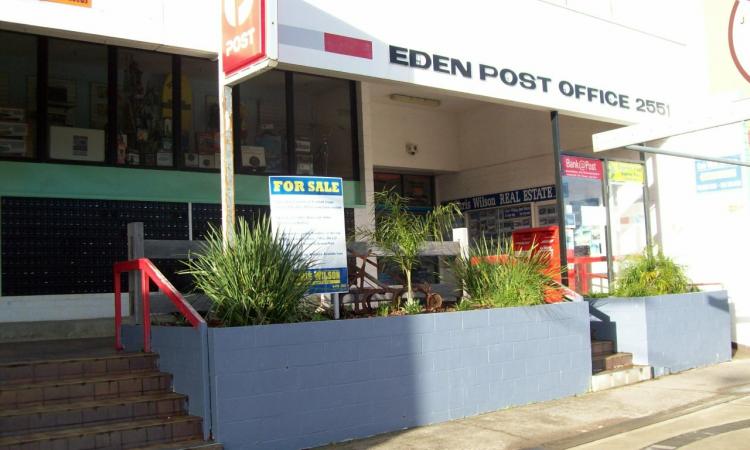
(343, 45)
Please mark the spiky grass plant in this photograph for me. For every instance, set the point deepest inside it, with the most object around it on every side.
(651, 274)
(495, 275)
(260, 278)
(412, 307)
(401, 233)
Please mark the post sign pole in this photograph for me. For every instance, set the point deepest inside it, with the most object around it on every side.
(227, 164)
(243, 43)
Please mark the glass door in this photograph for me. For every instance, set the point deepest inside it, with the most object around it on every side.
(585, 224)
(627, 210)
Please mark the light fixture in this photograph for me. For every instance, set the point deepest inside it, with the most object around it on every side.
(421, 101)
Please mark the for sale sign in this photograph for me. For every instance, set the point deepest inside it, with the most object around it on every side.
(243, 33)
(311, 210)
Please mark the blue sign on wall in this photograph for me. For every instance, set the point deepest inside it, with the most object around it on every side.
(712, 176)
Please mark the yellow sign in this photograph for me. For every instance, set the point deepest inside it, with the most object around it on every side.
(82, 3)
(622, 172)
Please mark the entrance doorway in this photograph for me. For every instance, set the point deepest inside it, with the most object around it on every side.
(605, 218)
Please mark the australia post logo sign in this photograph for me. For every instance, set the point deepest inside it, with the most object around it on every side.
(243, 33)
(739, 36)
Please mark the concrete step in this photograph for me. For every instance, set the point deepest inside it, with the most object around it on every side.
(82, 389)
(25, 372)
(185, 445)
(599, 348)
(23, 420)
(56, 330)
(611, 362)
(621, 377)
(130, 434)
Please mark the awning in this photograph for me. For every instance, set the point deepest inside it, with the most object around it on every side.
(636, 137)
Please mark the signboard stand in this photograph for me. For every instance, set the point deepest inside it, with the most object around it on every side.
(309, 210)
(336, 306)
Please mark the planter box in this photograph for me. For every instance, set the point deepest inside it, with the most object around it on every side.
(670, 333)
(308, 384)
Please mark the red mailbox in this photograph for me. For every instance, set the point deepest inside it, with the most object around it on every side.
(545, 239)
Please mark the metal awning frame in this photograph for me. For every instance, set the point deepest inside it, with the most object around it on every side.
(634, 137)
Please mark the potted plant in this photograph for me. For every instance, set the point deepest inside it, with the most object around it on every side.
(657, 314)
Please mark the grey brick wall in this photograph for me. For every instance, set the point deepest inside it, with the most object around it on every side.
(671, 333)
(301, 385)
(183, 353)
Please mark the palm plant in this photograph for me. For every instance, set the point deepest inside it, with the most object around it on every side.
(260, 278)
(497, 275)
(651, 274)
(401, 233)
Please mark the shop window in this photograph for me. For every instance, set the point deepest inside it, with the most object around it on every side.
(388, 182)
(322, 126)
(17, 99)
(200, 114)
(418, 188)
(77, 100)
(144, 109)
(263, 125)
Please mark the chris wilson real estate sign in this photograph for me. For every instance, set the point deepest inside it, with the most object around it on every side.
(311, 209)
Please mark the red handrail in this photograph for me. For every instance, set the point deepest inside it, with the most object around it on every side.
(149, 272)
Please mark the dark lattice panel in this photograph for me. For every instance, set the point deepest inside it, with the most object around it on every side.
(68, 246)
(205, 214)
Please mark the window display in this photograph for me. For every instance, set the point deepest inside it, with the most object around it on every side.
(104, 104)
(144, 113)
(17, 95)
(546, 214)
(77, 100)
(322, 126)
(498, 223)
(263, 124)
(199, 126)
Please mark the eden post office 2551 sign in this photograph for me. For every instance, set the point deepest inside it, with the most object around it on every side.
(243, 33)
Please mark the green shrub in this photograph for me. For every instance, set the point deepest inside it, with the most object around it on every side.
(412, 307)
(260, 278)
(516, 278)
(651, 274)
(383, 310)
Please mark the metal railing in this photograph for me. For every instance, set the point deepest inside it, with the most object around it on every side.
(147, 273)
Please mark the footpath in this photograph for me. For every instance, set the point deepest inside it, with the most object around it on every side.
(700, 408)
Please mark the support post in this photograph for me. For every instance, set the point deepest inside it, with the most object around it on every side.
(336, 306)
(145, 287)
(557, 150)
(135, 251)
(227, 164)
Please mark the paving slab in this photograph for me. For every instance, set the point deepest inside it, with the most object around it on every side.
(573, 421)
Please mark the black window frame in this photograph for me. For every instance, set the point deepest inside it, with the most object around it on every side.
(41, 141)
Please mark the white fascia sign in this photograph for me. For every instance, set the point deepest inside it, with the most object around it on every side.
(527, 53)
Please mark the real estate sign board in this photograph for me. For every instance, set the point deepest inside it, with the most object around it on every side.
(311, 210)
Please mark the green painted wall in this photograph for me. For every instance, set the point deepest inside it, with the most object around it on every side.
(113, 183)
